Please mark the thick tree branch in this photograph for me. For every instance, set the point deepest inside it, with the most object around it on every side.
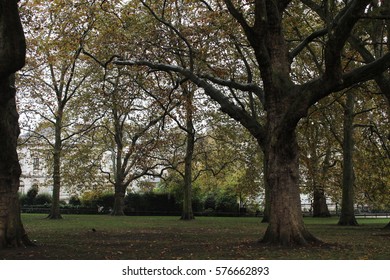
(382, 80)
(359, 75)
(250, 87)
(239, 17)
(340, 31)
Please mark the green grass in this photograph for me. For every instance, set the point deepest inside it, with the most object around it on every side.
(203, 238)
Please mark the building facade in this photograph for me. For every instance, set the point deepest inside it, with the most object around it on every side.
(35, 171)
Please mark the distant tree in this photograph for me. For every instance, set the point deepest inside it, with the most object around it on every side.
(347, 216)
(134, 134)
(372, 150)
(233, 161)
(55, 76)
(317, 159)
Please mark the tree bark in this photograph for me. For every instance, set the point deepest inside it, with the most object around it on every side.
(187, 213)
(286, 226)
(55, 212)
(120, 189)
(347, 216)
(320, 208)
(12, 233)
(12, 58)
(119, 201)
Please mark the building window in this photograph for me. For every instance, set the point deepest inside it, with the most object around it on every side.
(35, 164)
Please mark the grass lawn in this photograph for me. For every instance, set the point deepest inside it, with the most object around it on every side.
(105, 237)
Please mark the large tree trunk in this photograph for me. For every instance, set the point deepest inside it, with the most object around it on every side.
(12, 55)
(119, 188)
(286, 226)
(320, 208)
(347, 217)
(119, 202)
(12, 233)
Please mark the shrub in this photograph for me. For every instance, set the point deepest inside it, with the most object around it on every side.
(98, 199)
(106, 200)
(197, 204)
(24, 200)
(133, 202)
(226, 203)
(74, 200)
(63, 202)
(43, 198)
(90, 198)
(209, 202)
(151, 202)
(31, 194)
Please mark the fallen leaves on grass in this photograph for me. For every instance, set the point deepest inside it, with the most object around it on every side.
(205, 238)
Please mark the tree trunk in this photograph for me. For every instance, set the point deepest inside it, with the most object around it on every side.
(119, 169)
(55, 212)
(347, 217)
(12, 233)
(187, 213)
(12, 58)
(320, 208)
(119, 201)
(286, 225)
(120, 189)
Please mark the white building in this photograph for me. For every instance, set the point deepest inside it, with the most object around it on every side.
(35, 173)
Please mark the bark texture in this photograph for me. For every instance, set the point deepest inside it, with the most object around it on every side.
(12, 57)
(187, 213)
(119, 184)
(286, 225)
(12, 233)
(55, 212)
(119, 201)
(320, 208)
(119, 169)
